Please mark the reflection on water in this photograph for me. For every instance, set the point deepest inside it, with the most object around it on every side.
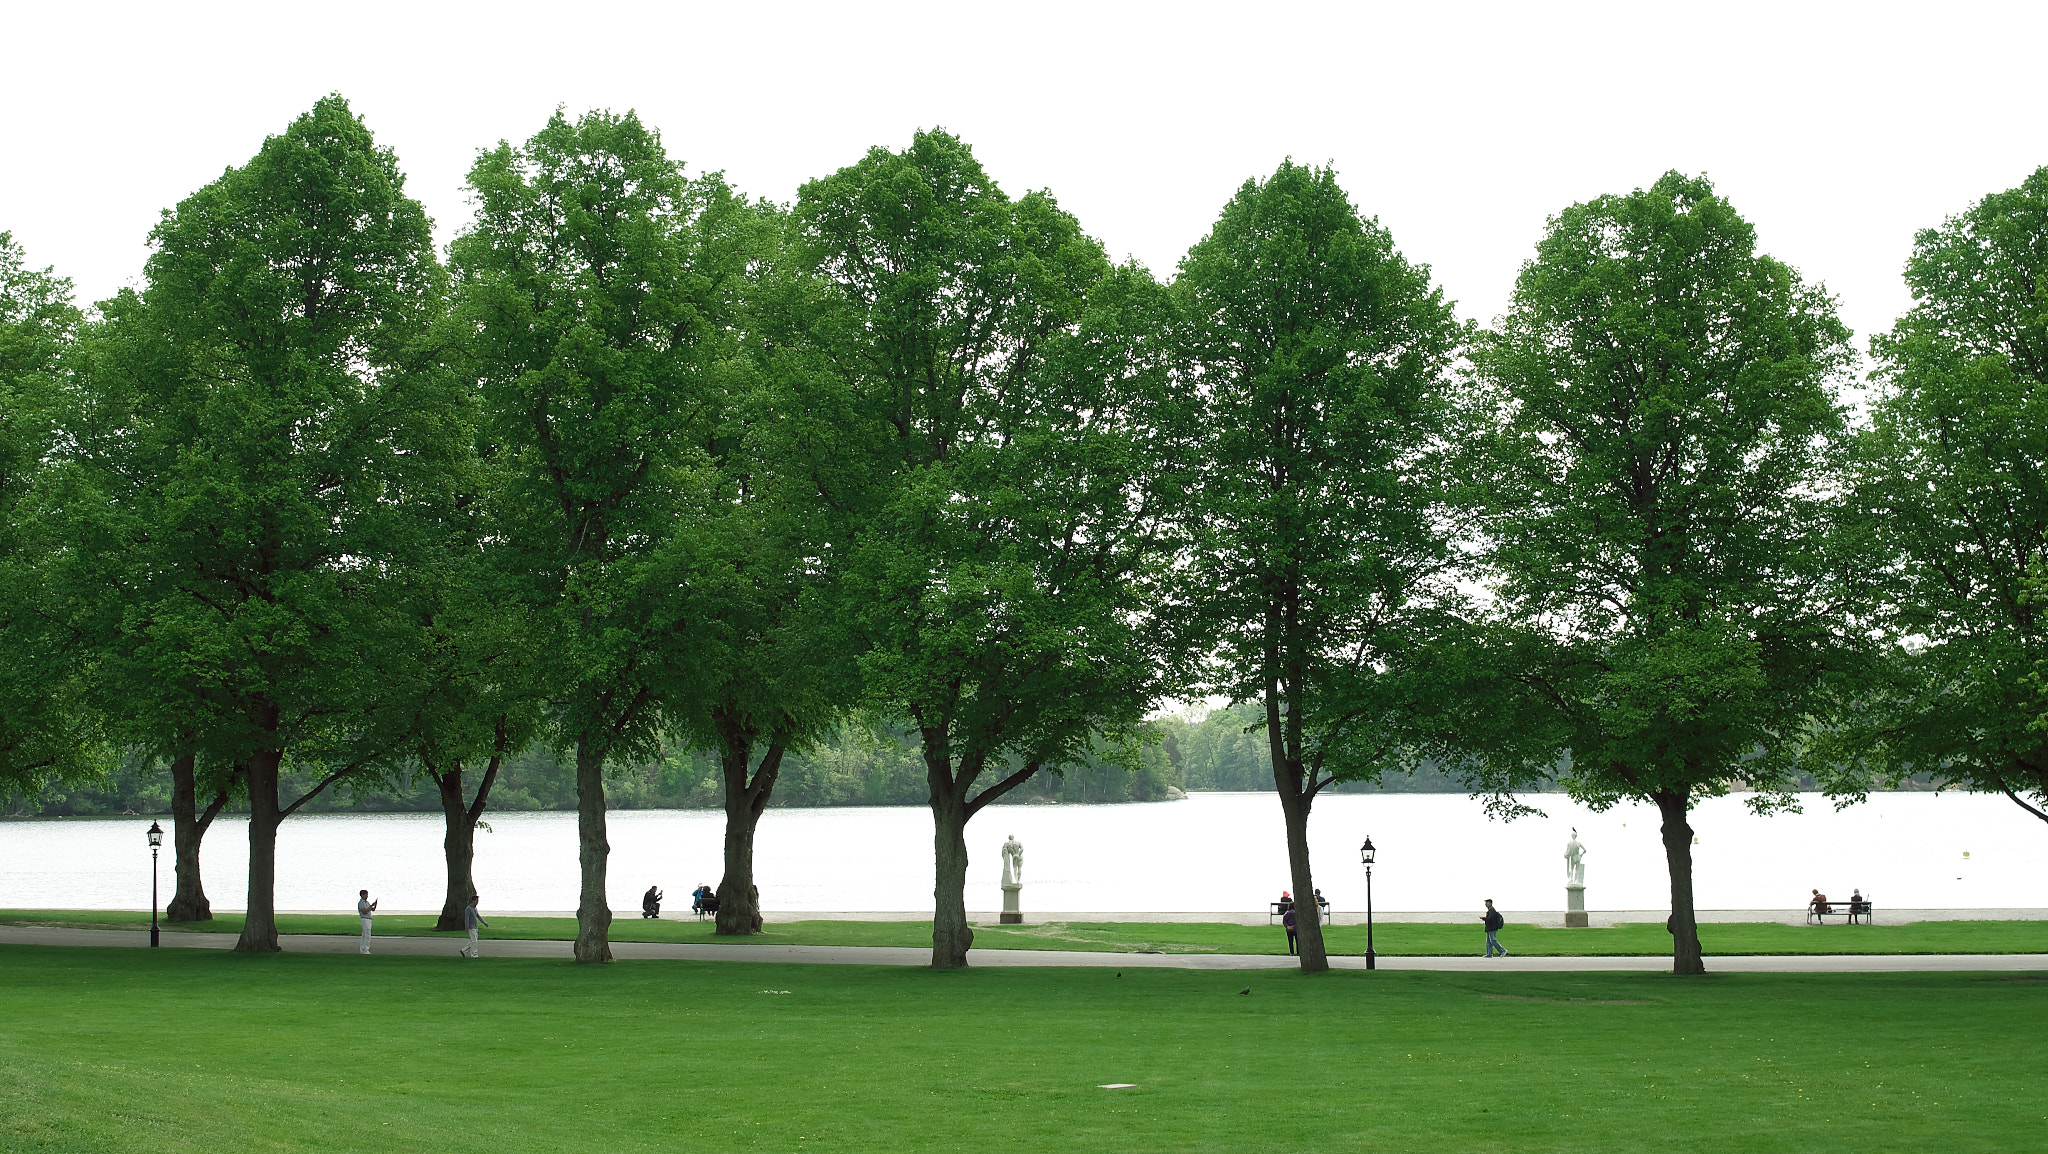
(1220, 852)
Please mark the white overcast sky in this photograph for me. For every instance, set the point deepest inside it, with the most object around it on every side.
(1838, 129)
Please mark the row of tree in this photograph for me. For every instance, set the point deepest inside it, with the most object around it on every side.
(858, 765)
(643, 460)
(861, 763)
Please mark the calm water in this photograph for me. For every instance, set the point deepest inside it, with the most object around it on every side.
(1210, 852)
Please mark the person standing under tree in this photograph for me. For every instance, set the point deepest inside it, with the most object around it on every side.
(364, 908)
(1493, 922)
(1287, 920)
(470, 921)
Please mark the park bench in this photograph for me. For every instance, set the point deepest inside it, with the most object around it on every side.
(1850, 912)
(1275, 909)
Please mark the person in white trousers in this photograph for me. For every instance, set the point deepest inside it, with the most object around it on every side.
(470, 921)
(364, 908)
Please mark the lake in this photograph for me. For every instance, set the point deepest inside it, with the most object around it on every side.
(1211, 852)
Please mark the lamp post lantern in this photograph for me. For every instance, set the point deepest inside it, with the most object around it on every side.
(156, 839)
(1365, 856)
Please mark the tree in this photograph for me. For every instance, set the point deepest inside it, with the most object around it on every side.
(273, 452)
(1664, 441)
(1951, 492)
(471, 695)
(46, 732)
(119, 475)
(1002, 518)
(602, 290)
(1320, 560)
(778, 665)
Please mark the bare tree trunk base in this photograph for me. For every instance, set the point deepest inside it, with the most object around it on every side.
(593, 910)
(1686, 956)
(951, 937)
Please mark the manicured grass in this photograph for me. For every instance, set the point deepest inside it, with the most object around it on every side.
(161, 1052)
(1393, 939)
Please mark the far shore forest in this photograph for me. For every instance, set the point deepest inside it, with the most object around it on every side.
(640, 492)
(863, 765)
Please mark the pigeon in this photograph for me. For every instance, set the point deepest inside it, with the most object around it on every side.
(1246, 990)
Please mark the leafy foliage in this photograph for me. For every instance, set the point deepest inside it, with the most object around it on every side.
(1660, 471)
(1951, 489)
(1321, 564)
(1004, 509)
(47, 733)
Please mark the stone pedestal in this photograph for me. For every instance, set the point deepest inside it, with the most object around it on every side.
(1012, 916)
(1575, 906)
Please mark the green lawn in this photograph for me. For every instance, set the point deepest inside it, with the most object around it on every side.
(166, 1051)
(1391, 938)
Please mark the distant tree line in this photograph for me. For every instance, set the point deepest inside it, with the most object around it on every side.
(644, 492)
(853, 766)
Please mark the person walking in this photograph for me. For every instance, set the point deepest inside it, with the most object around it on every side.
(364, 908)
(1287, 920)
(1493, 922)
(470, 921)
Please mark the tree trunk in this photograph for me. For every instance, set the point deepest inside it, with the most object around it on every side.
(1685, 934)
(1284, 747)
(259, 928)
(188, 829)
(1308, 920)
(746, 796)
(458, 846)
(458, 843)
(950, 936)
(593, 910)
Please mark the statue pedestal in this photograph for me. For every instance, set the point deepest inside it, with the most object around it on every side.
(1575, 907)
(1012, 916)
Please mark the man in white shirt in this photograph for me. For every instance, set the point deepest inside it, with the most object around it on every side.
(364, 908)
(470, 921)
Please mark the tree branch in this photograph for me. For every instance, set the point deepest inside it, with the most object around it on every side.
(2021, 802)
(220, 801)
(1002, 787)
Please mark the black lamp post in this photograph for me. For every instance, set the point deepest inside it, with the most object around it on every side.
(156, 839)
(1365, 855)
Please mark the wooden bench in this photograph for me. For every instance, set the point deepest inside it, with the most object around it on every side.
(1853, 913)
(1275, 909)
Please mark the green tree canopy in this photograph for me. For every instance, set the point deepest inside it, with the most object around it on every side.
(1951, 488)
(777, 661)
(1660, 483)
(602, 291)
(1005, 514)
(1321, 564)
(46, 732)
(270, 428)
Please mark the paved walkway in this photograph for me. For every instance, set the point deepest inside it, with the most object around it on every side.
(1553, 918)
(904, 956)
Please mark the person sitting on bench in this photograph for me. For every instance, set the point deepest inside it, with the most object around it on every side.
(1858, 908)
(1819, 904)
(703, 901)
(650, 902)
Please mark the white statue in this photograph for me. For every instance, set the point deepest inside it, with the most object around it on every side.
(1574, 861)
(1013, 862)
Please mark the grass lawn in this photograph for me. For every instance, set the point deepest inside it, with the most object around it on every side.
(167, 1051)
(1393, 939)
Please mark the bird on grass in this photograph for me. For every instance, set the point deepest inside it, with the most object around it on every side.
(1246, 990)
